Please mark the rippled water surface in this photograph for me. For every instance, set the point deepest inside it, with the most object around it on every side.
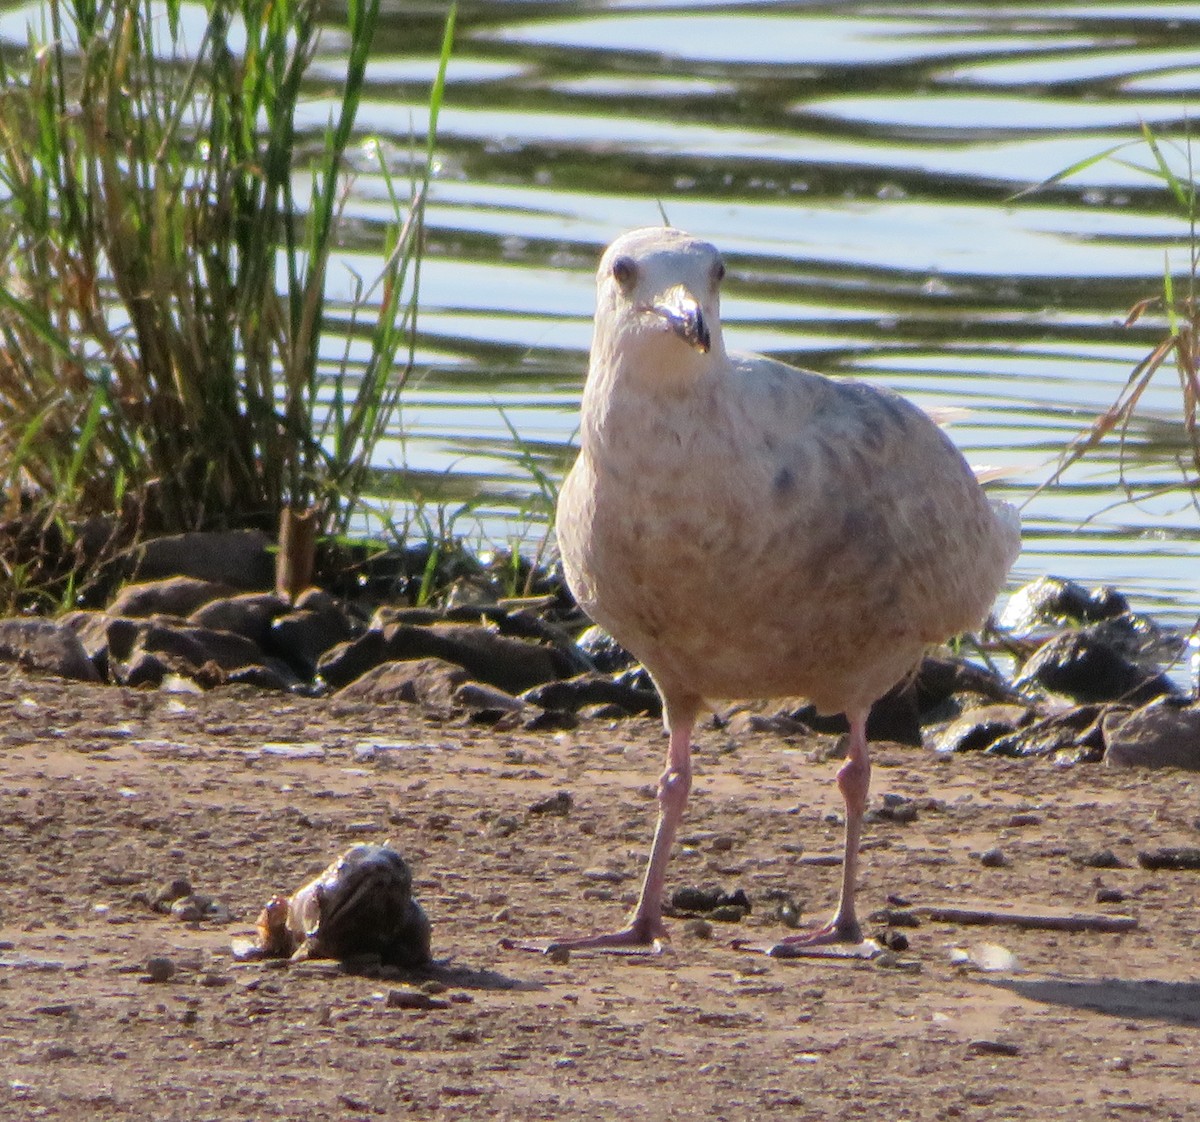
(857, 165)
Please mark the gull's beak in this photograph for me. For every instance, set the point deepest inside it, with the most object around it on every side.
(685, 317)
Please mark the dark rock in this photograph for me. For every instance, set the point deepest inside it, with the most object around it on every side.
(1086, 669)
(303, 636)
(777, 724)
(240, 559)
(47, 646)
(141, 652)
(1078, 730)
(573, 694)
(895, 717)
(939, 679)
(979, 728)
(174, 596)
(481, 699)
(424, 681)
(1170, 857)
(248, 614)
(550, 720)
(1165, 733)
(159, 968)
(605, 653)
(271, 674)
(1109, 896)
(1099, 859)
(558, 804)
(711, 901)
(993, 859)
(512, 665)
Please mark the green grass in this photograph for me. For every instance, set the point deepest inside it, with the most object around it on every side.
(1178, 349)
(163, 292)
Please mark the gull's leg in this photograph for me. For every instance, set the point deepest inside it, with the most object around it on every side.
(854, 781)
(645, 929)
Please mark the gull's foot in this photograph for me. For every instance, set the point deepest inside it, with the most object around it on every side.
(834, 940)
(636, 939)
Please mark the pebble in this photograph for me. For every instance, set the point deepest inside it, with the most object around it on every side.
(160, 968)
(1109, 896)
(698, 928)
(559, 803)
(993, 1048)
(993, 858)
(414, 999)
(560, 956)
(1100, 859)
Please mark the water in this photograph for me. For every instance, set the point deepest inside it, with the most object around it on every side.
(856, 163)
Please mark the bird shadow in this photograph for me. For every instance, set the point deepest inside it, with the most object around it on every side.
(460, 976)
(1150, 999)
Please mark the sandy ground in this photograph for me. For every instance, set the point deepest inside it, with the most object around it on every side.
(106, 793)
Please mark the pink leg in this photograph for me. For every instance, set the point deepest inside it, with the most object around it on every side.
(645, 927)
(854, 781)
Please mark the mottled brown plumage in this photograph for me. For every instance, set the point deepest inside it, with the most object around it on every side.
(750, 530)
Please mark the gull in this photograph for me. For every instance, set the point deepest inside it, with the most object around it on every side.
(750, 530)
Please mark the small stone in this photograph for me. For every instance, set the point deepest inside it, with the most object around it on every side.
(159, 968)
(1025, 819)
(993, 1048)
(1109, 896)
(698, 928)
(1099, 859)
(993, 858)
(414, 999)
(560, 956)
(558, 804)
(727, 913)
(722, 843)
(173, 890)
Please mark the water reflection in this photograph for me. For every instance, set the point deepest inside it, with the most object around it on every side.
(856, 163)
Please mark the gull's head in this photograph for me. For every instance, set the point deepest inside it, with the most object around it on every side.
(659, 287)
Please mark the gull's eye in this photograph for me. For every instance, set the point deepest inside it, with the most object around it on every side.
(719, 272)
(624, 272)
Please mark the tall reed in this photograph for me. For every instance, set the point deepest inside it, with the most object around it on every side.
(162, 292)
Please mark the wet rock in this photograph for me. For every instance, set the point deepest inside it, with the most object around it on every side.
(47, 646)
(240, 559)
(573, 694)
(512, 665)
(1163, 734)
(248, 614)
(605, 653)
(424, 681)
(940, 679)
(1053, 601)
(1085, 668)
(895, 717)
(1077, 730)
(173, 596)
(980, 728)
